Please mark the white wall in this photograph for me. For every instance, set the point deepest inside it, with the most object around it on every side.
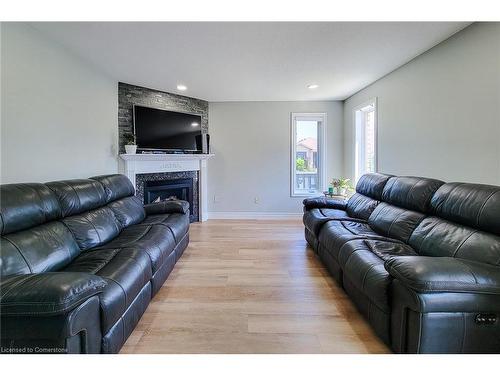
(251, 143)
(59, 116)
(438, 115)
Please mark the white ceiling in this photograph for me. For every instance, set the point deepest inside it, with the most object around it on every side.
(250, 61)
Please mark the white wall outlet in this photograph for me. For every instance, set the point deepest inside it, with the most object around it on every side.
(256, 200)
(216, 198)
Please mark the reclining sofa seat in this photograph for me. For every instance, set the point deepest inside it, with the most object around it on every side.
(447, 299)
(80, 261)
(319, 211)
(425, 268)
(360, 249)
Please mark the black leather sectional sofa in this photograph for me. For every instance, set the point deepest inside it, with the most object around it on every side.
(420, 258)
(80, 261)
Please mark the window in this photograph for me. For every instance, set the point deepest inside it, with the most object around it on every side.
(307, 154)
(365, 117)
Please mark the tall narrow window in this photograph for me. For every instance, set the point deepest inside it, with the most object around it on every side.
(365, 117)
(307, 154)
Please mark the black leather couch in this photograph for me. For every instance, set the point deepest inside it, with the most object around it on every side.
(80, 261)
(420, 258)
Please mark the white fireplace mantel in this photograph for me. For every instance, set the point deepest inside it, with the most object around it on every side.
(133, 164)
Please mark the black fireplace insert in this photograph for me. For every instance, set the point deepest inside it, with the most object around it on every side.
(181, 188)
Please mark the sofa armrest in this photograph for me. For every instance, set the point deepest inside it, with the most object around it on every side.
(167, 207)
(444, 274)
(46, 294)
(323, 202)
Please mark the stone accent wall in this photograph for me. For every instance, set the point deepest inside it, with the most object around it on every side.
(128, 95)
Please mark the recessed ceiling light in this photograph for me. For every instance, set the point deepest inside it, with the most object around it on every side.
(312, 86)
(194, 124)
(182, 87)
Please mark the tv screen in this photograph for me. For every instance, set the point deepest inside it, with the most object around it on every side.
(158, 129)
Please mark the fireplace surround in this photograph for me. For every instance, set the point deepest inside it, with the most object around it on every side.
(156, 167)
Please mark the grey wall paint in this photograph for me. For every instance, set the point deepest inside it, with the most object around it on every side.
(251, 142)
(438, 115)
(58, 116)
(128, 95)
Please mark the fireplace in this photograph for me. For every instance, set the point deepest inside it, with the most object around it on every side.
(157, 191)
(156, 187)
(140, 168)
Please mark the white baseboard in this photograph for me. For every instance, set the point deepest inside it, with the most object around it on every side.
(251, 215)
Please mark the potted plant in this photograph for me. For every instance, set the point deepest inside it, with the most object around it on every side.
(130, 145)
(343, 185)
(335, 185)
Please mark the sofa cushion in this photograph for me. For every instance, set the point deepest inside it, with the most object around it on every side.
(93, 228)
(412, 193)
(338, 215)
(385, 249)
(372, 185)
(116, 186)
(473, 205)
(177, 223)
(24, 206)
(441, 238)
(157, 241)
(368, 194)
(44, 248)
(362, 262)
(315, 218)
(361, 206)
(395, 222)
(128, 211)
(442, 274)
(336, 233)
(365, 270)
(77, 196)
(406, 199)
(126, 271)
(319, 210)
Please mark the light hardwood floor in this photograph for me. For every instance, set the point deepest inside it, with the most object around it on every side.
(251, 287)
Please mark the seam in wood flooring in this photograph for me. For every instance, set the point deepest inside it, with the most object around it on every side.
(251, 286)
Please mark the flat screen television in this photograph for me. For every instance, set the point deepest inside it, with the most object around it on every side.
(161, 130)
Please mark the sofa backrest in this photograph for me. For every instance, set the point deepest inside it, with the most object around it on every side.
(473, 205)
(96, 210)
(465, 223)
(82, 204)
(33, 240)
(368, 195)
(121, 199)
(405, 203)
(45, 226)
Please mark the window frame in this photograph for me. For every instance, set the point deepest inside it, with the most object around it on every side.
(321, 117)
(357, 130)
